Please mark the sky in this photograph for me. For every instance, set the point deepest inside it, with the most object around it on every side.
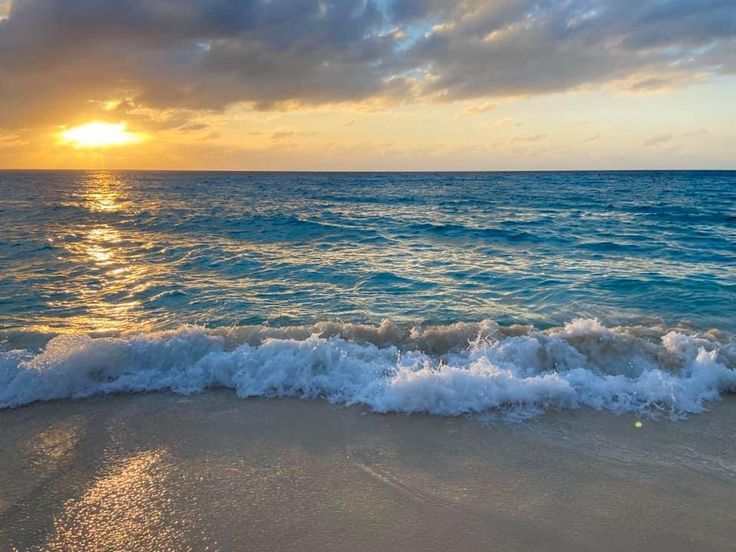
(368, 85)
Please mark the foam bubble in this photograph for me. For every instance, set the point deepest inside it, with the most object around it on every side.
(449, 370)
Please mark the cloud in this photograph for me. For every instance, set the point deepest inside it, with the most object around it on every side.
(10, 140)
(658, 140)
(531, 47)
(193, 127)
(505, 121)
(477, 109)
(281, 135)
(164, 60)
(62, 57)
(528, 139)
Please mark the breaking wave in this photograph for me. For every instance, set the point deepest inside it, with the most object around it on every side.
(444, 370)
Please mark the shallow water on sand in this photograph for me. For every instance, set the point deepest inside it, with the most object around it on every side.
(216, 473)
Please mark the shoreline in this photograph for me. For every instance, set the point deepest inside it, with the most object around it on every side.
(213, 471)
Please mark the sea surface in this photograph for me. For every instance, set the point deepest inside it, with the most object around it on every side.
(447, 293)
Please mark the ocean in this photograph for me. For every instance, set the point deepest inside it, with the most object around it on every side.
(506, 294)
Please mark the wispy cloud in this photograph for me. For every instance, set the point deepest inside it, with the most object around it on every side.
(282, 135)
(479, 108)
(193, 127)
(505, 121)
(528, 139)
(658, 140)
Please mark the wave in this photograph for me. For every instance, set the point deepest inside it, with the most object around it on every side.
(451, 370)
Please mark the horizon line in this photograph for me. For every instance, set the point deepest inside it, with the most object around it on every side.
(366, 171)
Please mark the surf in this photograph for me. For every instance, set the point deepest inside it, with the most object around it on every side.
(458, 369)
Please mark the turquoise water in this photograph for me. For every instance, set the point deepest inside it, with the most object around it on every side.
(95, 250)
(119, 256)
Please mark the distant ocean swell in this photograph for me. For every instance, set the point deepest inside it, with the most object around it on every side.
(444, 370)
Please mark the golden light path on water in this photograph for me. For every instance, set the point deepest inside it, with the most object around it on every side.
(112, 261)
(113, 274)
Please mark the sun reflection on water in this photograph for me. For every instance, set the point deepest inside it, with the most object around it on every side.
(102, 259)
(104, 192)
(100, 245)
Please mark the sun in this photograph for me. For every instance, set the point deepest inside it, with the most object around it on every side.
(99, 135)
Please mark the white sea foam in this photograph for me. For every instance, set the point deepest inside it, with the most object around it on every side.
(450, 370)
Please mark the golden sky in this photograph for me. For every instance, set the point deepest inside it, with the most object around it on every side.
(383, 85)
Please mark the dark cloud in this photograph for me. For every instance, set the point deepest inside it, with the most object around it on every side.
(191, 54)
(419, 10)
(528, 47)
(61, 59)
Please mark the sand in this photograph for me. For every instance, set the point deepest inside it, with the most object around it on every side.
(214, 472)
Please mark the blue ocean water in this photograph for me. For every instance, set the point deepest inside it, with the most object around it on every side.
(252, 259)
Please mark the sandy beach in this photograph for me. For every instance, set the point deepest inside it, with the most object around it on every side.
(214, 472)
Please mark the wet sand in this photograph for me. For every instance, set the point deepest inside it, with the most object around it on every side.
(214, 472)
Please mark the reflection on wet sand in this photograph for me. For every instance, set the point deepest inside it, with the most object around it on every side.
(54, 447)
(131, 507)
(215, 472)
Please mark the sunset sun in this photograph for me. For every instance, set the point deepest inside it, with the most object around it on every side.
(99, 135)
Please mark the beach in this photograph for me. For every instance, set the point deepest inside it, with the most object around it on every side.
(214, 472)
(367, 361)
(375, 275)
